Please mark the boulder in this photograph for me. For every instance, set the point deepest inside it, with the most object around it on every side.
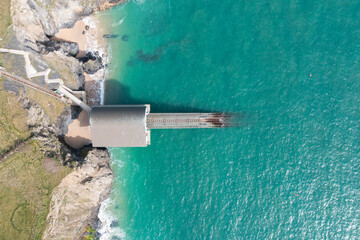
(67, 48)
(93, 65)
(38, 20)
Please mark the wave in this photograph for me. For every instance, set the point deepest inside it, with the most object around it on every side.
(93, 45)
(139, 2)
(108, 228)
(118, 23)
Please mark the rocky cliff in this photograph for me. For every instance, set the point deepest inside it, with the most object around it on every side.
(75, 202)
(35, 21)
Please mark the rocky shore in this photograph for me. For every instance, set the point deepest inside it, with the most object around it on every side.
(75, 202)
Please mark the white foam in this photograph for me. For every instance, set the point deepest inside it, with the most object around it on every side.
(139, 2)
(93, 45)
(106, 219)
(118, 23)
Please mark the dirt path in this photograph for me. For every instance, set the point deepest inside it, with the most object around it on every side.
(16, 148)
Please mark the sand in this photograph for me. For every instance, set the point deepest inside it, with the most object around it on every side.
(78, 134)
(75, 34)
(83, 34)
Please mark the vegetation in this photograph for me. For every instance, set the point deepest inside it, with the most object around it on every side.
(90, 234)
(61, 67)
(27, 178)
(51, 106)
(4, 16)
(25, 192)
(13, 129)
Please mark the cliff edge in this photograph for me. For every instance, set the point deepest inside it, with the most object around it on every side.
(76, 201)
(36, 21)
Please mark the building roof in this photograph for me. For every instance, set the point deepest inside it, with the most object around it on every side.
(119, 126)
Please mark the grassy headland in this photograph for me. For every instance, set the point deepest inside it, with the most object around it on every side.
(13, 129)
(27, 179)
(4, 16)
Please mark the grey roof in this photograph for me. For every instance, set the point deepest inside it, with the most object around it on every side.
(119, 126)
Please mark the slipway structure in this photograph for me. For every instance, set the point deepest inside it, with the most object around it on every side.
(130, 125)
(119, 126)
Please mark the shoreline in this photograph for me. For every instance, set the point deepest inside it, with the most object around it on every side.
(91, 41)
(88, 35)
(49, 33)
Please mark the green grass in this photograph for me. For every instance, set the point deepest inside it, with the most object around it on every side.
(52, 106)
(63, 68)
(25, 185)
(90, 234)
(5, 17)
(25, 193)
(13, 128)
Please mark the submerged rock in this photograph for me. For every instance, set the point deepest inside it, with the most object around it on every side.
(110, 36)
(125, 38)
(114, 224)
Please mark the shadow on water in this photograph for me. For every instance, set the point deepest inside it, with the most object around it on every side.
(120, 94)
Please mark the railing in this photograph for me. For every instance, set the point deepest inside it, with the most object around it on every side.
(30, 84)
(186, 120)
(62, 89)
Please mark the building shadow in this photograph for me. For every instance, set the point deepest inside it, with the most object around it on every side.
(118, 93)
(77, 142)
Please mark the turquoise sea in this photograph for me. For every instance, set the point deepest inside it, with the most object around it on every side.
(290, 68)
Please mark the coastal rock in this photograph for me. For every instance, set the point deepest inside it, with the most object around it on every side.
(67, 48)
(92, 66)
(42, 129)
(38, 20)
(75, 202)
(70, 68)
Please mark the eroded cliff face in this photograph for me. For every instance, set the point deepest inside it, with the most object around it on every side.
(36, 20)
(75, 202)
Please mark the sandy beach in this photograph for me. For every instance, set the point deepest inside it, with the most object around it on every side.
(75, 34)
(89, 37)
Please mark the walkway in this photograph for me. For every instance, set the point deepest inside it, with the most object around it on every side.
(31, 73)
(30, 84)
(186, 120)
(30, 70)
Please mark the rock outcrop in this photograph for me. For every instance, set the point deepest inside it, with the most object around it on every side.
(67, 48)
(38, 20)
(47, 133)
(75, 202)
(39, 124)
(68, 67)
(92, 66)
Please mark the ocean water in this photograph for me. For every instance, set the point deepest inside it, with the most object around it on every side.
(290, 68)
